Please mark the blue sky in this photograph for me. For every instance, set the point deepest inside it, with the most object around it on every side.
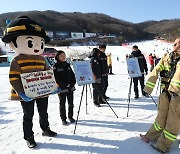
(129, 10)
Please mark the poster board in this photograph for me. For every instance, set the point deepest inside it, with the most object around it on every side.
(36, 84)
(133, 67)
(83, 72)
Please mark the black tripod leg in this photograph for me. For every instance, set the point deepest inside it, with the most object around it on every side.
(129, 96)
(105, 100)
(153, 100)
(158, 85)
(90, 90)
(79, 109)
(86, 98)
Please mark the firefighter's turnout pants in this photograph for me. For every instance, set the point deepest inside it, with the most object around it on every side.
(167, 123)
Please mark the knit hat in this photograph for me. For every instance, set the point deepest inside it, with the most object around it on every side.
(23, 25)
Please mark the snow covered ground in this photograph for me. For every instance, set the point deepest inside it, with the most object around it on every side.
(98, 131)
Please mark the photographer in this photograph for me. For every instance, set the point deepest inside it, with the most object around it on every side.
(65, 78)
(167, 123)
(143, 67)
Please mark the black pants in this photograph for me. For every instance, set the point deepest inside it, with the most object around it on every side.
(28, 110)
(135, 81)
(96, 94)
(104, 84)
(62, 98)
(110, 69)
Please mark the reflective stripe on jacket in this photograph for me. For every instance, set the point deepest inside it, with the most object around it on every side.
(164, 64)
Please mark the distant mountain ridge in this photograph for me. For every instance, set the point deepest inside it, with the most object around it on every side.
(98, 23)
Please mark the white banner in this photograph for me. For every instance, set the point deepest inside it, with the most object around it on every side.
(76, 35)
(90, 34)
(83, 72)
(40, 83)
(133, 67)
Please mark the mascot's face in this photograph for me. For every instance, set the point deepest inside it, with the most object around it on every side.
(28, 45)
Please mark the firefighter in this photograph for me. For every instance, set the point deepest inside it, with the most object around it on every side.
(165, 129)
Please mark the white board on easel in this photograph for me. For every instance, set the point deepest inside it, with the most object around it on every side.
(133, 67)
(83, 72)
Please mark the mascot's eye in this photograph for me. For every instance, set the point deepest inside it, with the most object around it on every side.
(42, 45)
(30, 44)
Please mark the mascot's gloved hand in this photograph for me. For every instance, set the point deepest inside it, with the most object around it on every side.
(58, 90)
(24, 97)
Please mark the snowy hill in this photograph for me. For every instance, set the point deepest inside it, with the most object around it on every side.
(98, 131)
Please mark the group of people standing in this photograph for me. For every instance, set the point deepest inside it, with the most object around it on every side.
(100, 72)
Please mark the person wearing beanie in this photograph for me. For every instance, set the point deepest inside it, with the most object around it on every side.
(27, 38)
(66, 80)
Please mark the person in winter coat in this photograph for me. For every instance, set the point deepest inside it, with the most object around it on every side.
(97, 76)
(66, 80)
(104, 70)
(109, 63)
(151, 61)
(143, 67)
(165, 129)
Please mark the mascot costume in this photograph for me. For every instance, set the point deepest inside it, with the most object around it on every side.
(27, 38)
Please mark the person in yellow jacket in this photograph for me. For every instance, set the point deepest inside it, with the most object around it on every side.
(167, 123)
(109, 63)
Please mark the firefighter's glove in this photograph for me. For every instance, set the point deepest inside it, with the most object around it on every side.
(24, 97)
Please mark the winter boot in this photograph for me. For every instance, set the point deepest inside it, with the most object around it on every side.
(31, 143)
(97, 104)
(64, 122)
(144, 138)
(49, 133)
(101, 101)
(136, 96)
(157, 149)
(72, 120)
(145, 94)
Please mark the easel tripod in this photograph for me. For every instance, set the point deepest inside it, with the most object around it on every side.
(129, 96)
(86, 103)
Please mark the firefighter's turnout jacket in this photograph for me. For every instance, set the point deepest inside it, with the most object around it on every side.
(164, 67)
(24, 64)
(167, 123)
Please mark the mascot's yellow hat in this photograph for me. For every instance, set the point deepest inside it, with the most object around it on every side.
(23, 25)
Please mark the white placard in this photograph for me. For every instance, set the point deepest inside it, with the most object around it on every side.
(83, 72)
(133, 67)
(40, 83)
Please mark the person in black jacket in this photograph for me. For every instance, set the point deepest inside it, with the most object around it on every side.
(66, 80)
(104, 70)
(143, 67)
(97, 76)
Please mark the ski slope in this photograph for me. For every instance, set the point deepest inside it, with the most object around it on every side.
(99, 130)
